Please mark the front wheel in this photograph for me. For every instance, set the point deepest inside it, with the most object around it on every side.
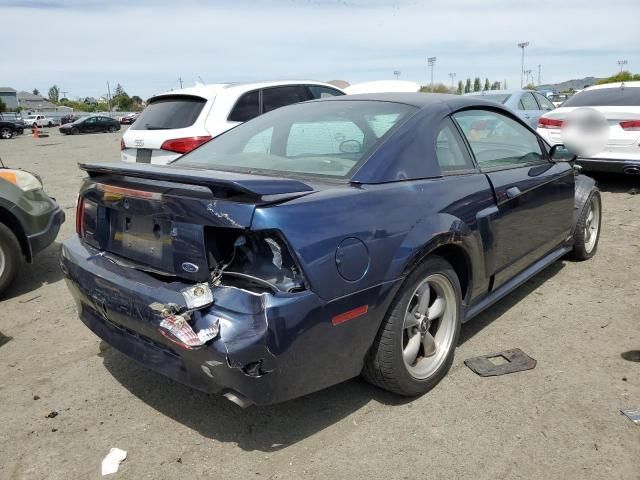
(11, 257)
(111, 129)
(415, 345)
(75, 131)
(587, 233)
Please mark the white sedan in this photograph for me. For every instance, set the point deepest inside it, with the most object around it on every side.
(620, 105)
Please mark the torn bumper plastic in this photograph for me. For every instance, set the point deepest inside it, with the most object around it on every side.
(269, 347)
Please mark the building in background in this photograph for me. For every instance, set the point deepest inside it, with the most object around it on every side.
(9, 96)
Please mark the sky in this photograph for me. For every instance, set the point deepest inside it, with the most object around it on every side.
(148, 45)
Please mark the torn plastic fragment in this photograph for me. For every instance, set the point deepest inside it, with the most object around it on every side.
(112, 461)
(177, 329)
(198, 296)
(632, 414)
(277, 252)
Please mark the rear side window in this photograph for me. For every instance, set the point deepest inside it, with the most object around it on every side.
(606, 97)
(277, 97)
(527, 102)
(323, 92)
(176, 111)
(449, 152)
(544, 102)
(246, 108)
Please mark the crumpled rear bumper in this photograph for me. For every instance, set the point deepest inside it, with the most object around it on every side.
(270, 348)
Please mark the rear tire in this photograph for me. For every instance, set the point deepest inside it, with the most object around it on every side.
(111, 129)
(11, 258)
(391, 362)
(6, 133)
(587, 233)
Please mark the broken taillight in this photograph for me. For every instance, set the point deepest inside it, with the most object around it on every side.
(177, 329)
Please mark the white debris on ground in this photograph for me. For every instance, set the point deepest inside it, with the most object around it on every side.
(112, 461)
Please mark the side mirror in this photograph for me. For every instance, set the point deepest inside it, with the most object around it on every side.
(350, 146)
(560, 153)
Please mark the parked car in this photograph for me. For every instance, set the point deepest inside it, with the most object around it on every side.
(176, 122)
(29, 221)
(40, 121)
(321, 240)
(8, 129)
(92, 124)
(68, 119)
(16, 118)
(527, 104)
(129, 119)
(620, 104)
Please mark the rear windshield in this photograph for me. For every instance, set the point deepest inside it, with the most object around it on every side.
(327, 138)
(165, 113)
(494, 97)
(606, 97)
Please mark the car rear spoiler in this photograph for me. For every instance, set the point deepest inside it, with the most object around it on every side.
(241, 183)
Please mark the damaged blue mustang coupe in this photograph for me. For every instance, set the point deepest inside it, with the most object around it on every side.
(324, 240)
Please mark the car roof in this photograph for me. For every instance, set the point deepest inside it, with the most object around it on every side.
(416, 99)
(614, 85)
(211, 90)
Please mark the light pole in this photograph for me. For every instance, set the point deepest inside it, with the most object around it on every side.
(526, 75)
(432, 62)
(539, 76)
(452, 75)
(522, 45)
(397, 73)
(621, 64)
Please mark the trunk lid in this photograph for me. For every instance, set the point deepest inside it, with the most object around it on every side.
(165, 219)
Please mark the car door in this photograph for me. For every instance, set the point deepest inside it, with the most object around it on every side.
(529, 109)
(89, 125)
(545, 104)
(534, 196)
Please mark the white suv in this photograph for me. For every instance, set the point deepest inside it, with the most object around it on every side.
(176, 122)
(620, 104)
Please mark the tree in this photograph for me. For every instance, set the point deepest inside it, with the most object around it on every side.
(467, 86)
(624, 76)
(54, 94)
(529, 86)
(476, 84)
(437, 88)
(36, 91)
(460, 87)
(487, 85)
(119, 91)
(495, 85)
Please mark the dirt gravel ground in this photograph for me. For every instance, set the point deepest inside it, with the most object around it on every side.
(560, 420)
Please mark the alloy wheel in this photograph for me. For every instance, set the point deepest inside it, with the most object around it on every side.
(429, 326)
(592, 224)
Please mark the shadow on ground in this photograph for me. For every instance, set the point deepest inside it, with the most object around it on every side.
(274, 427)
(44, 270)
(617, 183)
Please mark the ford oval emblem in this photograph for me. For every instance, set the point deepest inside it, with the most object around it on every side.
(190, 267)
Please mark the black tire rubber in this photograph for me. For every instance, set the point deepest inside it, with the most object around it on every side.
(75, 131)
(50, 125)
(6, 133)
(111, 129)
(579, 251)
(384, 365)
(13, 257)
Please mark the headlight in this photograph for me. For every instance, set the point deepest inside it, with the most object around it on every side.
(25, 181)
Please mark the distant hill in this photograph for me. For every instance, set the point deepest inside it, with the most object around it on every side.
(576, 84)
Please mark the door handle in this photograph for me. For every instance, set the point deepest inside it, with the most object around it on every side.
(513, 192)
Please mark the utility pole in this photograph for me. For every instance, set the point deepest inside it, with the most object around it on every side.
(432, 62)
(621, 64)
(64, 94)
(522, 45)
(180, 80)
(539, 76)
(397, 73)
(109, 96)
(527, 73)
(452, 75)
